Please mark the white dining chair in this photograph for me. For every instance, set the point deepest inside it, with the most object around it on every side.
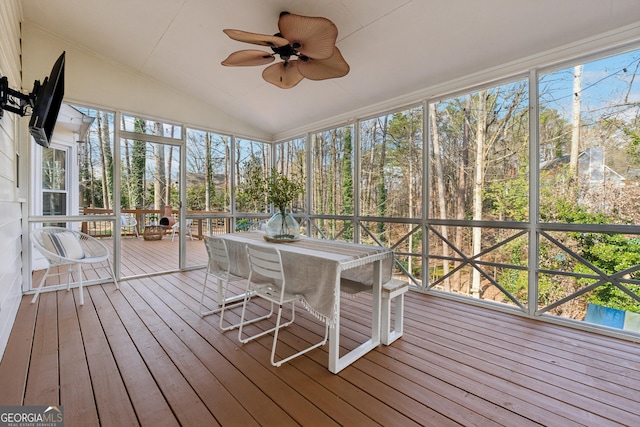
(65, 247)
(218, 268)
(267, 281)
(175, 228)
(129, 222)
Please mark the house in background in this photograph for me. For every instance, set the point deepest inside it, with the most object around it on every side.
(598, 181)
(591, 167)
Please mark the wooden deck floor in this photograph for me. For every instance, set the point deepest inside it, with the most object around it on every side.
(139, 257)
(143, 356)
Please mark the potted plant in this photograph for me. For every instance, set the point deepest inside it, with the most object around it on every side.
(153, 219)
(280, 191)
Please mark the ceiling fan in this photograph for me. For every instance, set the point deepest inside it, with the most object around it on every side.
(306, 45)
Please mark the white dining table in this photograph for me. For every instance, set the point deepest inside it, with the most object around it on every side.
(323, 271)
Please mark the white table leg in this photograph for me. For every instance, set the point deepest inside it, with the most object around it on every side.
(337, 363)
(377, 302)
(334, 335)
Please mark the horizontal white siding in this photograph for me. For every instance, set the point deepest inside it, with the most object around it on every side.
(10, 207)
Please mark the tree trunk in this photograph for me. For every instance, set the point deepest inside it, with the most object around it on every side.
(227, 179)
(138, 165)
(461, 187)
(440, 190)
(575, 123)
(168, 177)
(478, 186)
(368, 191)
(347, 186)
(410, 182)
(381, 210)
(167, 186)
(159, 183)
(106, 196)
(208, 172)
(92, 173)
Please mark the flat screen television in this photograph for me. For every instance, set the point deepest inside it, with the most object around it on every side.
(48, 98)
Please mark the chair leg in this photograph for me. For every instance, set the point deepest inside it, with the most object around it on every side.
(244, 322)
(275, 335)
(223, 294)
(80, 280)
(204, 288)
(113, 273)
(268, 331)
(44, 278)
(248, 322)
(69, 276)
(223, 286)
(301, 352)
(220, 297)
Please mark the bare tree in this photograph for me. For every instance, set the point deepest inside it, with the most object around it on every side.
(461, 185)
(106, 160)
(478, 183)
(160, 179)
(440, 190)
(575, 123)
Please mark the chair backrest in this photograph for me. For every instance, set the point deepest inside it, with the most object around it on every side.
(187, 224)
(217, 252)
(60, 245)
(267, 262)
(128, 220)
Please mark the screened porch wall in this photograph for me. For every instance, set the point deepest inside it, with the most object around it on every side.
(489, 210)
(546, 224)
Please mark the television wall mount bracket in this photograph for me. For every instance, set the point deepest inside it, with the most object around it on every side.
(14, 101)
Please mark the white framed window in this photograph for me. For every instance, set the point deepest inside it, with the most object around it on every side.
(55, 188)
(54, 182)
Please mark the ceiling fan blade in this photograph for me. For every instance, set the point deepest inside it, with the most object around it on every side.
(285, 75)
(248, 57)
(261, 39)
(321, 69)
(316, 36)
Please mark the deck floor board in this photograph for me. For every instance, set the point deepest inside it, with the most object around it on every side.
(144, 356)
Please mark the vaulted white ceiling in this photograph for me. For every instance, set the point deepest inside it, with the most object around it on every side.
(394, 47)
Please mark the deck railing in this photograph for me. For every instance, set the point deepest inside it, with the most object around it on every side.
(147, 217)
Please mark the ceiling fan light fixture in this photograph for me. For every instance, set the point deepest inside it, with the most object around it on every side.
(309, 39)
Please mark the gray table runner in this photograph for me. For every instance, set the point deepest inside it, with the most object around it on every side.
(312, 266)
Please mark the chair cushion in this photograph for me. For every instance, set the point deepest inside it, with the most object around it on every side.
(64, 243)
